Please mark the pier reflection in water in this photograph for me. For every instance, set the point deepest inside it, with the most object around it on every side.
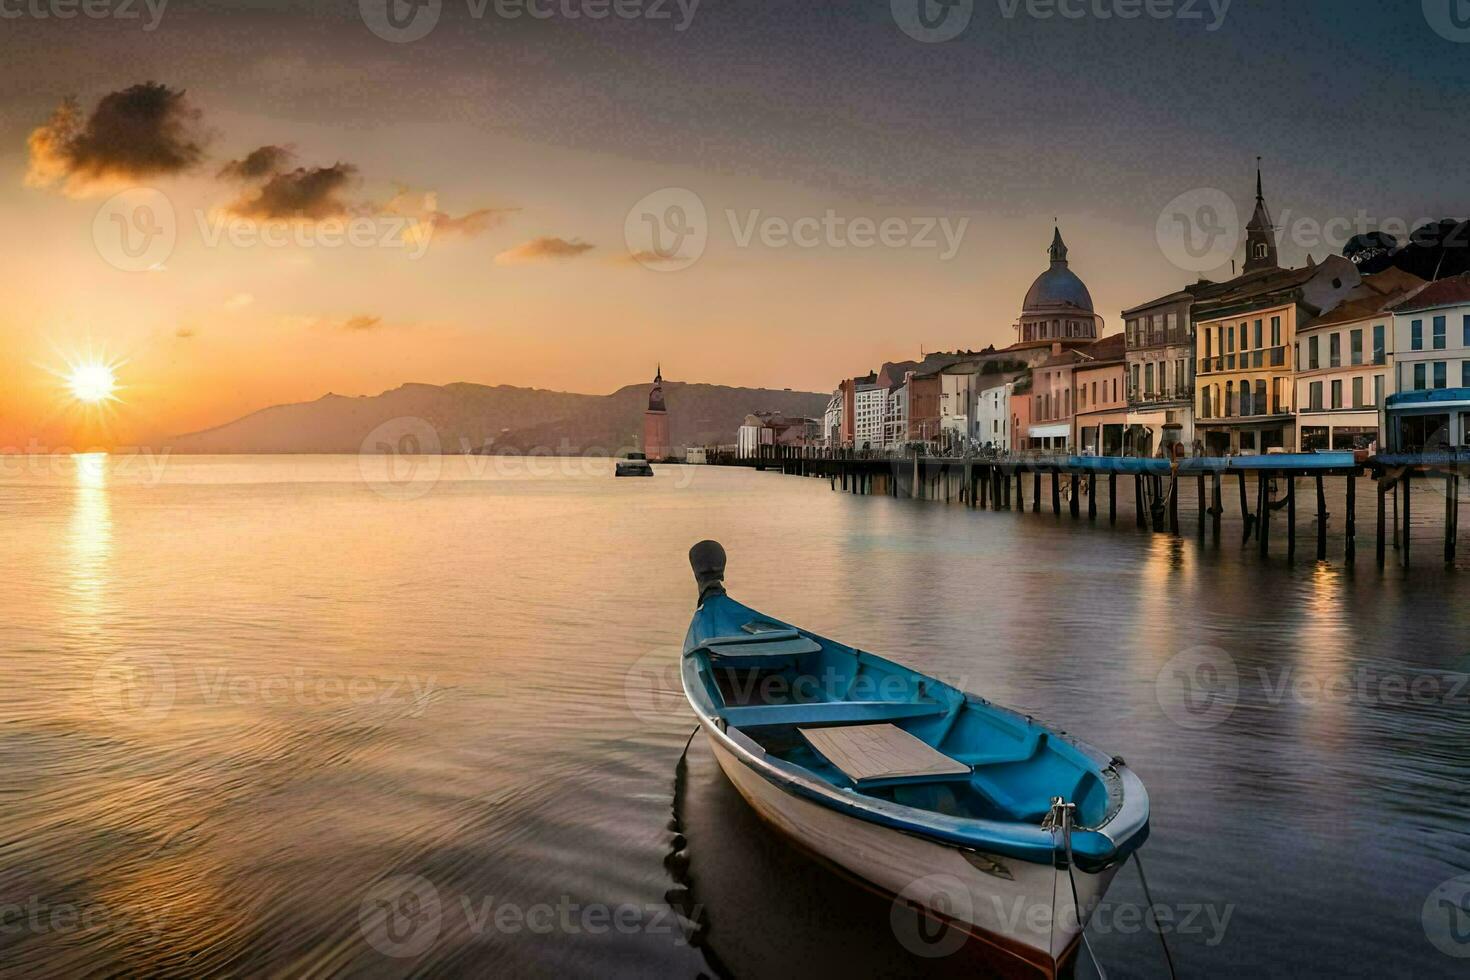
(337, 690)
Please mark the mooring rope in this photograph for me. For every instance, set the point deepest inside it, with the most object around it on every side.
(1149, 898)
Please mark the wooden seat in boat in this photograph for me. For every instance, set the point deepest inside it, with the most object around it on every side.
(774, 648)
(878, 755)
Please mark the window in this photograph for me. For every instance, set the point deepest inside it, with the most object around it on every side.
(1416, 335)
(1276, 331)
(1419, 376)
(1358, 392)
(1439, 333)
(1314, 396)
(1229, 399)
(1439, 374)
(1245, 335)
(1380, 352)
(1378, 389)
(1148, 378)
(1207, 342)
(1465, 374)
(1245, 399)
(1311, 353)
(1355, 346)
(1261, 396)
(1258, 335)
(1133, 381)
(1278, 385)
(1466, 339)
(1337, 393)
(1334, 350)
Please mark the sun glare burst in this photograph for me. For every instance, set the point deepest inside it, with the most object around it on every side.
(91, 383)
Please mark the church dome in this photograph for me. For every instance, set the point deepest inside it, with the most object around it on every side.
(1058, 287)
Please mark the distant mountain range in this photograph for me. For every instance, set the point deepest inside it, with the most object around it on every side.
(479, 418)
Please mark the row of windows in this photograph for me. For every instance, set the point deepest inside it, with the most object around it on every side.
(1153, 330)
(1431, 374)
(1225, 337)
(1058, 329)
(1335, 389)
(1176, 381)
(1333, 346)
(1227, 401)
(1437, 333)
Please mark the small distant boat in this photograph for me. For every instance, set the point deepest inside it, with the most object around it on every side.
(983, 817)
(633, 464)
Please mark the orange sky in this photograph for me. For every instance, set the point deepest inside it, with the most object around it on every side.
(533, 145)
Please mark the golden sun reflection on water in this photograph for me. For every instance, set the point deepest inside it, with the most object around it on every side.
(89, 536)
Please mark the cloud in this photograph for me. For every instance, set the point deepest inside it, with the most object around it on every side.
(258, 164)
(428, 220)
(306, 193)
(363, 321)
(544, 249)
(138, 133)
(646, 257)
(184, 333)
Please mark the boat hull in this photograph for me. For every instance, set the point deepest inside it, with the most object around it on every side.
(1025, 911)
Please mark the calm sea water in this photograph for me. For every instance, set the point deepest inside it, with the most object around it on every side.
(250, 705)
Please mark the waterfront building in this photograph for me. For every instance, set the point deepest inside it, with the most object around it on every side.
(1057, 308)
(896, 421)
(1050, 428)
(1021, 413)
(1432, 336)
(1100, 398)
(1245, 333)
(832, 421)
(957, 390)
(1344, 365)
(1160, 365)
(870, 407)
(656, 420)
(774, 429)
(992, 429)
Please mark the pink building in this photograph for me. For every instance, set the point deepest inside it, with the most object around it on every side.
(1100, 398)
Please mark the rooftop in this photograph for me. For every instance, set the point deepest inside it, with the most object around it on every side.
(1375, 295)
(1454, 291)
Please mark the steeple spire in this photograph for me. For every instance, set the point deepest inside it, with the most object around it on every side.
(1260, 238)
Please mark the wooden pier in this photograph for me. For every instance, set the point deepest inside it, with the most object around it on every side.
(1265, 486)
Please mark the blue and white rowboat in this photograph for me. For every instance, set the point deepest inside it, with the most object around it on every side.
(985, 818)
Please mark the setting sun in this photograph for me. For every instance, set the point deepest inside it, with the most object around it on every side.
(91, 382)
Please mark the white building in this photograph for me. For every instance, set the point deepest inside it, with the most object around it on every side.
(992, 414)
(1432, 336)
(896, 421)
(832, 421)
(1344, 365)
(870, 408)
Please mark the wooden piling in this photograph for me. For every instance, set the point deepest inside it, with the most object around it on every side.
(1408, 507)
(1056, 492)
(1217, 504)
(1245, 511)
(1263, 515)
(1112, 498)
(1138, 499)
(1036, 491)
(1200, 501)
(1076, 502)
(1291, 518)
(1092, 496)
(1322, 516)
(1174, 504)
(1451, 516)
(1352, 517)
(1382, 517)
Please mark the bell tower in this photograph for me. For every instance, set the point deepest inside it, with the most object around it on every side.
(1260, 238)
(656, 420)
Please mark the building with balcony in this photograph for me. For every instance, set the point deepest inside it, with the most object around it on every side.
(1160, 366)
(1344, 365)
(992, 429)
(1244, 336)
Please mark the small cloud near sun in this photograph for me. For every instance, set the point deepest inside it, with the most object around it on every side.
(363, 321)
(239, 301)
(185, 333)
(544, 249)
